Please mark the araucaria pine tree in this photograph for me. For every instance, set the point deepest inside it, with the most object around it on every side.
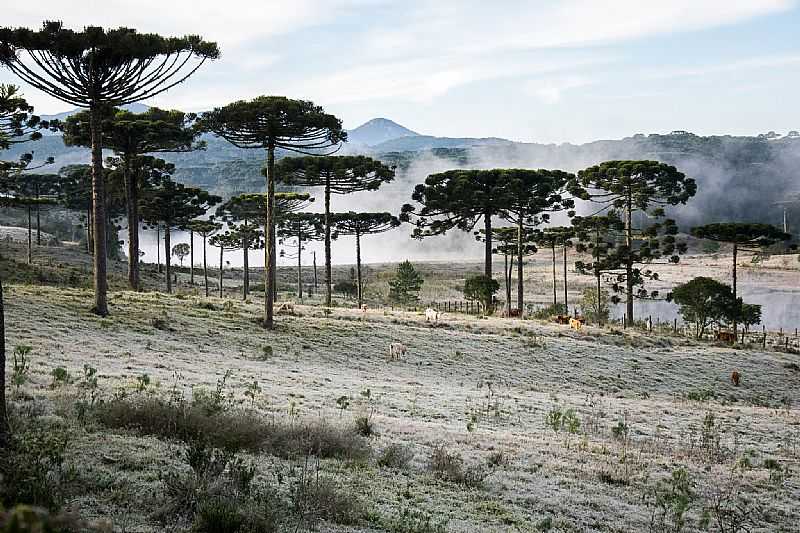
(744, 236)
(95, 69)
(205, 229)
(557, 237)
(227, 241)
(359, 225)
(458, 199)
(597, 236)
(18, 124)
(530, 197)
(131, 135)
(639, 190)
(337, 175)
(173, 205)
(506, 241)
(295, 230)
(275, 123)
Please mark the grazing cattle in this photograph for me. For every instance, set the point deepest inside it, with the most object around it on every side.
(511, 313)
(561, 319)
(364, 308)
(735, 377)
(396, 351)
(287, 308)
(726, 336)
(432, 315)
(576, 323)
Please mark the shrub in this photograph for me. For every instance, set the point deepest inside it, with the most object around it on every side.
(595, 308)
(232, 430)
(32, 467)
(395, 456)
(316, 498)
(22, 366)
(551, 310)
(60, 377)
(364, 426)
(566, 420)
(482, 289)
(449, 466)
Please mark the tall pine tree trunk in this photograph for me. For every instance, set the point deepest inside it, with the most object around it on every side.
(4, 430)
(221, 252)
(99, 214)
(315, 271)
(736, 301)
(629, 261)
(358, 270)
(269, 235)
(566, 303)
(487, 252)
(300, 264)
(191, 257)
(327, 241)
(132, 208)
(205, 265)
(30, 236)
(520, 282)
(38, 218)
(167, 258)
(246, 267)
(507, 281)
(89, 240)
(158, 248)
(555, 291)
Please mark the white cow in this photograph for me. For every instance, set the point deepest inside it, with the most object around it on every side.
(432, 315)
(396, 351)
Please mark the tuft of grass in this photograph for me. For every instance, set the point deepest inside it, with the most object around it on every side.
(233, 429)
(395, 456)
(449, 466)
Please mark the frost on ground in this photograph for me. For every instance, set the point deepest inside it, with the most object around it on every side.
(598, 430)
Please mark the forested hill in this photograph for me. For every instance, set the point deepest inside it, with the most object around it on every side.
(738, 177)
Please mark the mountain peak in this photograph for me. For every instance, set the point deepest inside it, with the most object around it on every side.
(378, 130)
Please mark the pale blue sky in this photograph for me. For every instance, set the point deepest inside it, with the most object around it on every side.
(559, 71)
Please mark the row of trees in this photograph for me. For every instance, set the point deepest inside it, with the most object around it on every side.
(620, 190)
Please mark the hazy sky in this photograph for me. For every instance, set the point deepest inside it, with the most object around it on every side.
(544, 71)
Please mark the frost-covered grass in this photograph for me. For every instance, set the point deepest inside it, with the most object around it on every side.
(573, 431)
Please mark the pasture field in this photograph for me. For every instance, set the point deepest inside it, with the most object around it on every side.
(487, 424)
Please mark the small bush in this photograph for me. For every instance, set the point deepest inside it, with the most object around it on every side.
(449, 466)
(551, 310)
(22, 366)
(32, 467)
(160, 324)
(395, 456)
(364, 426)
(566, 420)
(317, 498)
(60, 377)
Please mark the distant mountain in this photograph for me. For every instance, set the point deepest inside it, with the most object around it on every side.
(134, 108)
(428, 142)
(741, 177)
(377, 131)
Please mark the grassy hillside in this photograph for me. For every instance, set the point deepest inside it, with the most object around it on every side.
(180, 411)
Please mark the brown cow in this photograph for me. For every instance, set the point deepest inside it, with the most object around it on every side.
(577, 323)
(726, 336)
(735, 377)
(561, 319)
